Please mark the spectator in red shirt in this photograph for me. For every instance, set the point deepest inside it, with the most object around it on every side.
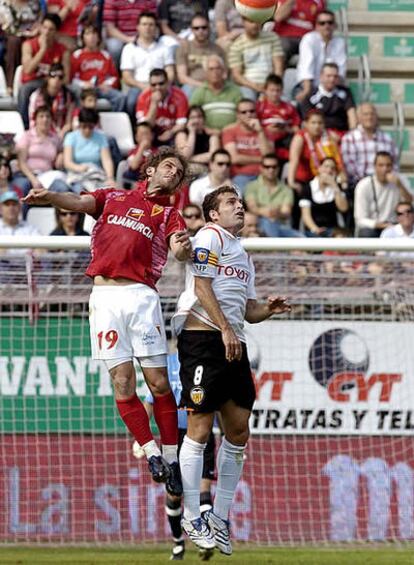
(120, 20)
(163, 106)
(280, 119)
(294, 18)
(144, 138)
(37, 56)
(69, 12)
(247, 143)
(91, 67)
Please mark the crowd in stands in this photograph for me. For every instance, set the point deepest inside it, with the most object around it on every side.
(197, 76)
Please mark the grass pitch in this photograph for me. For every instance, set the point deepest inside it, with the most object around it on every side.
(90, 556)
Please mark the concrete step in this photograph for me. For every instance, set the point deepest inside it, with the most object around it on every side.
(386, 67)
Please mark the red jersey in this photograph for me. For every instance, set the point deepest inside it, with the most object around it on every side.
(283, 113)
(302, 18)
(95, 66)
(52, 55)
(123, 14)
(172, 110)
(130, 237)
(70, 23)
(247, 143)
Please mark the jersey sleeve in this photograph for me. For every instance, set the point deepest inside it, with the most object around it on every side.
(100, 196)
(174, 223)
(207, 247)
(251, 289)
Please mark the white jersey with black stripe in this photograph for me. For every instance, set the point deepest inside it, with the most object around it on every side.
(218, 255)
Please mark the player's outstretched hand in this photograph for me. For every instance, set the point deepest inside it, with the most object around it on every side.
(37, 196)
(181, 245)
(232, 344)
(278, 304)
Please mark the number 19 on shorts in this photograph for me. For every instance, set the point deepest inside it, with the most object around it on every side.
(107, 340)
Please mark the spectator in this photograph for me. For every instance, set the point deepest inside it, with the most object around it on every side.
(309, 147)
(196, 143)
(86, 154)
(360, 145)
(141, 56)
(120, 20)
(333, 100)
(219, 173)
(316, 48)
(405, 226)
(68, 223)
(11, 222)
(39, 156)
(190, 56)
(294, 18)
(89, 100)
(69, 11)
(247, 144)
(271, 200)
(144, 137)
(253, 56)
(193, 218)
(19, 20)
(175, 18)
(280, 119)
(38, 54)
(163, 106)
(250, 228)
(6, 178)
(229, 23)
(218, 96)
(376, 197)
(321, 201)
(55, 96)
(92, 67)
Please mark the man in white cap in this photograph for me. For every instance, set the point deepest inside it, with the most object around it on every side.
(10, 220)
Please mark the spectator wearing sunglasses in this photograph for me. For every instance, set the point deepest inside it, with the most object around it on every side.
(193, 218)
(68, 223)
(55, 96)
(219, 173)
(191, 55)
(316, 48)
(405, 218)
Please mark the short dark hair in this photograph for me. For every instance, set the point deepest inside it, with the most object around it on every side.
(88, 116)
(147, 15)
(405, 203)
(271, 156)
(219, 152)
(314, 112)
(92, 27)
(327, 13)
(379, 154)
(56, 68)
(158, 73)
(164, 152)
(197, 108)
(212, 200)
(42, 110)
(200, 15)
(54, 18)
(88, 92)
(245, 101)
(273, 79)
(330, 65)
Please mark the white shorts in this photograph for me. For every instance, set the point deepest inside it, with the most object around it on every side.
(125, 322)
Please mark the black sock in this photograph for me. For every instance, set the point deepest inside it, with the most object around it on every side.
(173, 510)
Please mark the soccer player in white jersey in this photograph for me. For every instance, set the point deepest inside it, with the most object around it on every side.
(215, 371)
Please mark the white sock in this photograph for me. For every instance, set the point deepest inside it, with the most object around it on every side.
(150, 449)
(191, 465)
(229, 470)
(169, 452)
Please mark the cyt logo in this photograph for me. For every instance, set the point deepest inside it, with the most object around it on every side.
(339, 361)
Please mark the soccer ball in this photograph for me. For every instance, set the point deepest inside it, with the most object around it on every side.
(259, 11)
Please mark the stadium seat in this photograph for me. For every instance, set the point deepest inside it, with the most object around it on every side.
(11, 122)
(122, 167)
(118, 125)
(42, 218)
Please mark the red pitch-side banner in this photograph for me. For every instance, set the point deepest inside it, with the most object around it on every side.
(294, 489)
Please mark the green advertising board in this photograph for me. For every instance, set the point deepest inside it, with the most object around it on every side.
(390, 5)
(399, 46)
(48, 381)
(358, 45)
(336, 5)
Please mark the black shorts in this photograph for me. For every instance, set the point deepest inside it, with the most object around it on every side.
(209, 454)
(207, 378)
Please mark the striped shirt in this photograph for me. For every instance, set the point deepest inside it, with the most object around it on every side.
(255, 56)
(220, 108)
(123, 14)
(358, 152)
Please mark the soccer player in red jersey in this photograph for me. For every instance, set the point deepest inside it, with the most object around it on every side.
(129, 248)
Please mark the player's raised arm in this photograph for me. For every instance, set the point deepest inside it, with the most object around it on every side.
(180, 245)
(257, 312)
(84, 203)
